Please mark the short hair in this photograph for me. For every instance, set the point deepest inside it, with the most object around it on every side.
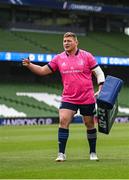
(70, 34)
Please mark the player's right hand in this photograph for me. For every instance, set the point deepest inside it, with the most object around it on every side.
(25, 62)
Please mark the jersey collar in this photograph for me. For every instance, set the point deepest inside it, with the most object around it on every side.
(75, 53)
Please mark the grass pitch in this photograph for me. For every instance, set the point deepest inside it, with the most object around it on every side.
(29, 152)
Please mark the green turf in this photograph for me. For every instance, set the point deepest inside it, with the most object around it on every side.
(30, 151)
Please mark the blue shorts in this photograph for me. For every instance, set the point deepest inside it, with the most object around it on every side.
(85, 109)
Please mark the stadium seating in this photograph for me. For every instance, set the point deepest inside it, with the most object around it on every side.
(30, 106)
(99, 43)
(34, 108)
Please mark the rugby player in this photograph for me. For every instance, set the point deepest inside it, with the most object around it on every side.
(76, 67)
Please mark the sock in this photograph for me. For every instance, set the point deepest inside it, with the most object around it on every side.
(62, 139)
(92, 137)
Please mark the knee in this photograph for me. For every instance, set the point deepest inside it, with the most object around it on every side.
(63, 122)
(89, 125)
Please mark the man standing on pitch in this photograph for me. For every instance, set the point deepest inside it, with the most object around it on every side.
(76, 67)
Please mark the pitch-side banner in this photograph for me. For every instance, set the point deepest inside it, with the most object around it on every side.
(17, 56)
(28, 121)
(47, 120)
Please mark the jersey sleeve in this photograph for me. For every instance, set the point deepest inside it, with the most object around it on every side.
(92, 61)
(53, 64)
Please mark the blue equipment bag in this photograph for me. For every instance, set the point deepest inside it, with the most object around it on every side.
(109, 92)
(107, 103)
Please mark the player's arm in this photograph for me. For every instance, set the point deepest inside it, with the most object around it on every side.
(97, 71)
(39, 70)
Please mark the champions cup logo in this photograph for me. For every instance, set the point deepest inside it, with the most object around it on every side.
(85, 7)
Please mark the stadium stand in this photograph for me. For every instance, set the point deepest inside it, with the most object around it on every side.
(100, 43)
(11, 43)
(28, 105)
(33, 108)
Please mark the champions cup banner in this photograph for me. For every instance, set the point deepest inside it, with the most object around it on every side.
(66, 5)
(44, 58)
(106, 9)
(28, 121)
(46, 121)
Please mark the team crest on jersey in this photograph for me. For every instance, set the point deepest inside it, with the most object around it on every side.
(80, 62)
(63, 64)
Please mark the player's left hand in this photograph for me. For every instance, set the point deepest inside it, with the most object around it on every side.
(25, 62)
(97, 93)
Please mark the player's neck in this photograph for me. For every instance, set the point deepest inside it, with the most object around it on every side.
(72, 52)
